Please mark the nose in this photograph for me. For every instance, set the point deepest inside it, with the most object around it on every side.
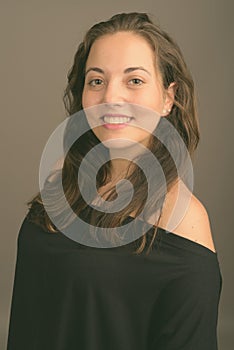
(113, 93)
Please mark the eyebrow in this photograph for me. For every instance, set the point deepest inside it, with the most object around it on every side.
(126, 71)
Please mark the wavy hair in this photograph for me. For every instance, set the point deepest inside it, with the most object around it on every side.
(183, 116)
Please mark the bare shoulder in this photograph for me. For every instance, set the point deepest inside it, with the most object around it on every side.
(195, 224)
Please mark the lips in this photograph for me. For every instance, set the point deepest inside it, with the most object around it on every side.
(115, 121)
(116, 118)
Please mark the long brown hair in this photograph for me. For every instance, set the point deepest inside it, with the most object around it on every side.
(172, 67)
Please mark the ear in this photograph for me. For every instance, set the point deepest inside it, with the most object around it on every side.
(169, 97)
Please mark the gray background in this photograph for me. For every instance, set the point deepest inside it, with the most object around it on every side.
(39, 39)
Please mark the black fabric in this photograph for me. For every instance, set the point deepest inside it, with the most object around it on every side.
(68, 296)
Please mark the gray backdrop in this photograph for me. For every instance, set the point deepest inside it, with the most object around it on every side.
(39, 39)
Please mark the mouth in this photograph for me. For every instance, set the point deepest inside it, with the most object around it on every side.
(116, 119)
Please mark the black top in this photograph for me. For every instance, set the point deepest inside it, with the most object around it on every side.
(68, 296)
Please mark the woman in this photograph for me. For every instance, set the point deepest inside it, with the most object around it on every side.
(161, 290)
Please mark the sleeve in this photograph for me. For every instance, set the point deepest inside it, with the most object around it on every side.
(188, 309)
(26, 292)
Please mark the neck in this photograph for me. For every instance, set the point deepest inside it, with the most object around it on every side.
(122, 161)
(119, 168)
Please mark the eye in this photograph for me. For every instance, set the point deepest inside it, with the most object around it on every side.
(136, 81)
(95, 82)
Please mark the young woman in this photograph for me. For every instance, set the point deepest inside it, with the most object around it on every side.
(159, 291)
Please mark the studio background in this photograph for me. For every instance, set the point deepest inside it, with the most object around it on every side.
(39, 40)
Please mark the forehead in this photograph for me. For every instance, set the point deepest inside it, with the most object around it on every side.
(121, 48)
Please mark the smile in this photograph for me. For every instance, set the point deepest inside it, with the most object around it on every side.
(116, 119)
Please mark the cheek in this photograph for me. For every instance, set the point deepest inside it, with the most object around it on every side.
(156, 100)
(85, 100)
(89, 99)
(82, 99)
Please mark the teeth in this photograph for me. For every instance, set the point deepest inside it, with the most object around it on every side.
(116, 120)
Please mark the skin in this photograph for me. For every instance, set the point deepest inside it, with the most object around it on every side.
(111, 79)
(110, 83)
(113, 54)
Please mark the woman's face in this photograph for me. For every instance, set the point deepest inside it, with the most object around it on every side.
(120, 69)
